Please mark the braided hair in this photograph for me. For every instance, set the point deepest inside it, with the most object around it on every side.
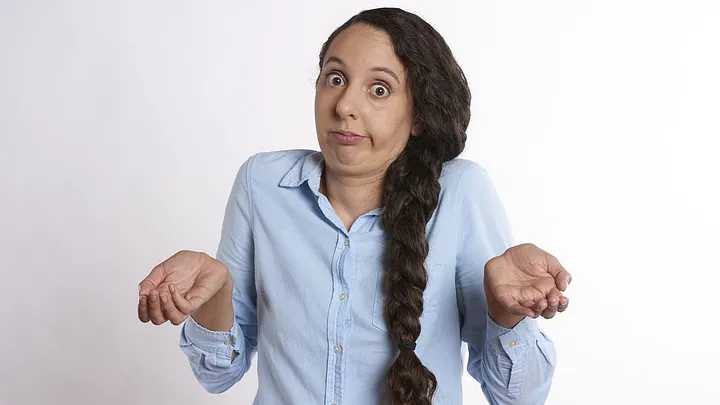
(441, 112)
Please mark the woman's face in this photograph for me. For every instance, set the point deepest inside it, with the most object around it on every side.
(363, 112)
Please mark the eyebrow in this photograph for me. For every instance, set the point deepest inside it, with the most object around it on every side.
(375, 69)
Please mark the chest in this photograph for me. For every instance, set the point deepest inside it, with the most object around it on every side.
(310, 271)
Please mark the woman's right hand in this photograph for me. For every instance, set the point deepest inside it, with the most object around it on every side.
(179, 286)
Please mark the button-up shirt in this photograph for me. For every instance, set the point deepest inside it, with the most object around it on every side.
(309, 303)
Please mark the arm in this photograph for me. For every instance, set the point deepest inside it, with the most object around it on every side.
(514, 364)
(220, 339)
(218, 313)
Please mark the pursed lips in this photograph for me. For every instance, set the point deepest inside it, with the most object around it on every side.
(346, 133)
(346, 137)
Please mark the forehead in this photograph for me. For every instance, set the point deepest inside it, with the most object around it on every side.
(361, 46)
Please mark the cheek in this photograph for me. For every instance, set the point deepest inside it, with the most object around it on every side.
(391, 127)
(318, 102)
(324, 103)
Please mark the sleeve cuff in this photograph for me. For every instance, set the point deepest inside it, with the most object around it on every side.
(219, 345)
(513, 342)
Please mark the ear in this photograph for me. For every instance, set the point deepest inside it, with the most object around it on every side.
(415, 130)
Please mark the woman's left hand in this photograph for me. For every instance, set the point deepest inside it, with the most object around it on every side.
(526, 281)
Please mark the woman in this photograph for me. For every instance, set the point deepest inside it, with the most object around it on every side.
(355, 273)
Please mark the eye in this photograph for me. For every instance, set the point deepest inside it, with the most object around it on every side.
(380, 90)
(334, 79)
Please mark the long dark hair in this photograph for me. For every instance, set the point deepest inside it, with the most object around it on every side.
(441, 111)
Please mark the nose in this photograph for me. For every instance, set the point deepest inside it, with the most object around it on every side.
(347, 104)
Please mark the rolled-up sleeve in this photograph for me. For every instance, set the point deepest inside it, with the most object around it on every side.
(210, 355)
(209, 352)
(520, 361)
(513, 366)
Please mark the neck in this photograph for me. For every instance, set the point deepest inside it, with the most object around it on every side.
(351, 196)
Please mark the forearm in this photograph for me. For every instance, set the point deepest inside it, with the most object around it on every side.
(217, 314)
(499, 314)
(212, 340)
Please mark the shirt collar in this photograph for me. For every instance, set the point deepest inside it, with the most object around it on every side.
(309, 169)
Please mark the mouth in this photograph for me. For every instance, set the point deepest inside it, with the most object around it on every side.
(345, 133)
(346, 137)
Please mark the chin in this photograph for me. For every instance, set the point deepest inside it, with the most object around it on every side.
(343, 161)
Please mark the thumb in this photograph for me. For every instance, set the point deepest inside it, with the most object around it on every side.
(193, 299)
(562, 277)
(153, 280)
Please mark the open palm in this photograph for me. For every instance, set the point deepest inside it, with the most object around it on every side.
(528, 281)
(179, 285)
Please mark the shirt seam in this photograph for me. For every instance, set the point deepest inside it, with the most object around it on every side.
(458, 219)
(248, 188)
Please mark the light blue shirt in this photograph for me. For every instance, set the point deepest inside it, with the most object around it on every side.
(308, 295)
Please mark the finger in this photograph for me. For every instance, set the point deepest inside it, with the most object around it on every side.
(530, 297)
(563, 281)
(554, 298)
(553, 303)
(549, 313)
(153, 280)
(170, 311)
(562, 277)
(156, 314)
(517, 307)
(564, 303)
(143, 313)
(184, 305)
(539, 308)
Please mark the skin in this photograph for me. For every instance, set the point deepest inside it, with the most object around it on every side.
(525, 281)
(361, 88)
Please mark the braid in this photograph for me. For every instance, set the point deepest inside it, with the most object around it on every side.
(441, 109)
(410, 195)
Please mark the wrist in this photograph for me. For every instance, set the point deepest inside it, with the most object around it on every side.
(219, 267)
(501, 316)
(498, 313)
(228, 279)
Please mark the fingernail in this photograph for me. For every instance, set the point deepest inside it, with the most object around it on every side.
(153, 296)
(172, 288)
(569, 280)
(163, 298)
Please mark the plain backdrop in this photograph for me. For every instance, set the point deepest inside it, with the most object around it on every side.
(123, 124)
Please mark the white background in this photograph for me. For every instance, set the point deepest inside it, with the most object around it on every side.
(123, 123)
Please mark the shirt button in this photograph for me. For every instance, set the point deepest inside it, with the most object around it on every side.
(512, 343)
(337, 349)
(347, 242)
(343, 297)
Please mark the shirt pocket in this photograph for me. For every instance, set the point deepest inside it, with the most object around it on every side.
(429, 297)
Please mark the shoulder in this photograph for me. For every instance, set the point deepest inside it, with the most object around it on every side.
(463, 176)
(272, 166)
(280, 161)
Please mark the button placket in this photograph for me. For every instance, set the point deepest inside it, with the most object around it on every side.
(339, 319)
